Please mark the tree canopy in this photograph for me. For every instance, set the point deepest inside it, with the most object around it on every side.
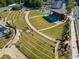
(30, 3)
(70, 5)
(34, 3)
(8, 2)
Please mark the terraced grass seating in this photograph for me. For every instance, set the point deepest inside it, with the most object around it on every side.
(16, 18)
(40, 23)
(31, 44)
(18, 21)
(36, 13)
(55, 32)
(35, 47)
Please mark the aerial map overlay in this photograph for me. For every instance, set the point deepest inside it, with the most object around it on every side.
(39, 29)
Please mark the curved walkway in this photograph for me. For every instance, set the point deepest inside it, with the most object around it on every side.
(27, 21)
(11, 50)
(51, 26)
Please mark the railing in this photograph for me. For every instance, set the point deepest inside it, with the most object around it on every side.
(76, 31)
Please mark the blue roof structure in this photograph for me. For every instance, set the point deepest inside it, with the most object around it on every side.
(53, 18)
(2, 28)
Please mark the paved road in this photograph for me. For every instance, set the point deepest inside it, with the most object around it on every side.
(74, 48)
(27, 21)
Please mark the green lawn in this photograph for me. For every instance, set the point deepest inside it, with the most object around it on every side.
(31, 44)
(55, 32)
(18, 20)
(36, 13)
(35, 46)
(40, 23)
(5, 57)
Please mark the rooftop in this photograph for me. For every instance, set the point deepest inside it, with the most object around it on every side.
(4, 9)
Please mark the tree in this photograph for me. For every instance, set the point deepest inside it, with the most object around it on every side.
(34, 3)
(2, 3)
(70, 5)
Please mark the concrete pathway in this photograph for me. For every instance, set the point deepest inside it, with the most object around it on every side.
(51, 26)
(56, 50)
(11, 50)
(28, 22)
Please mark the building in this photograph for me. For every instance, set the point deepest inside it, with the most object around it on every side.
(55, 5)
(5, 9)
(16, 6)
(77, 2)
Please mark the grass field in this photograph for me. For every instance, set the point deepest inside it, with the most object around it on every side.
(55, 32)
(5, 57)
